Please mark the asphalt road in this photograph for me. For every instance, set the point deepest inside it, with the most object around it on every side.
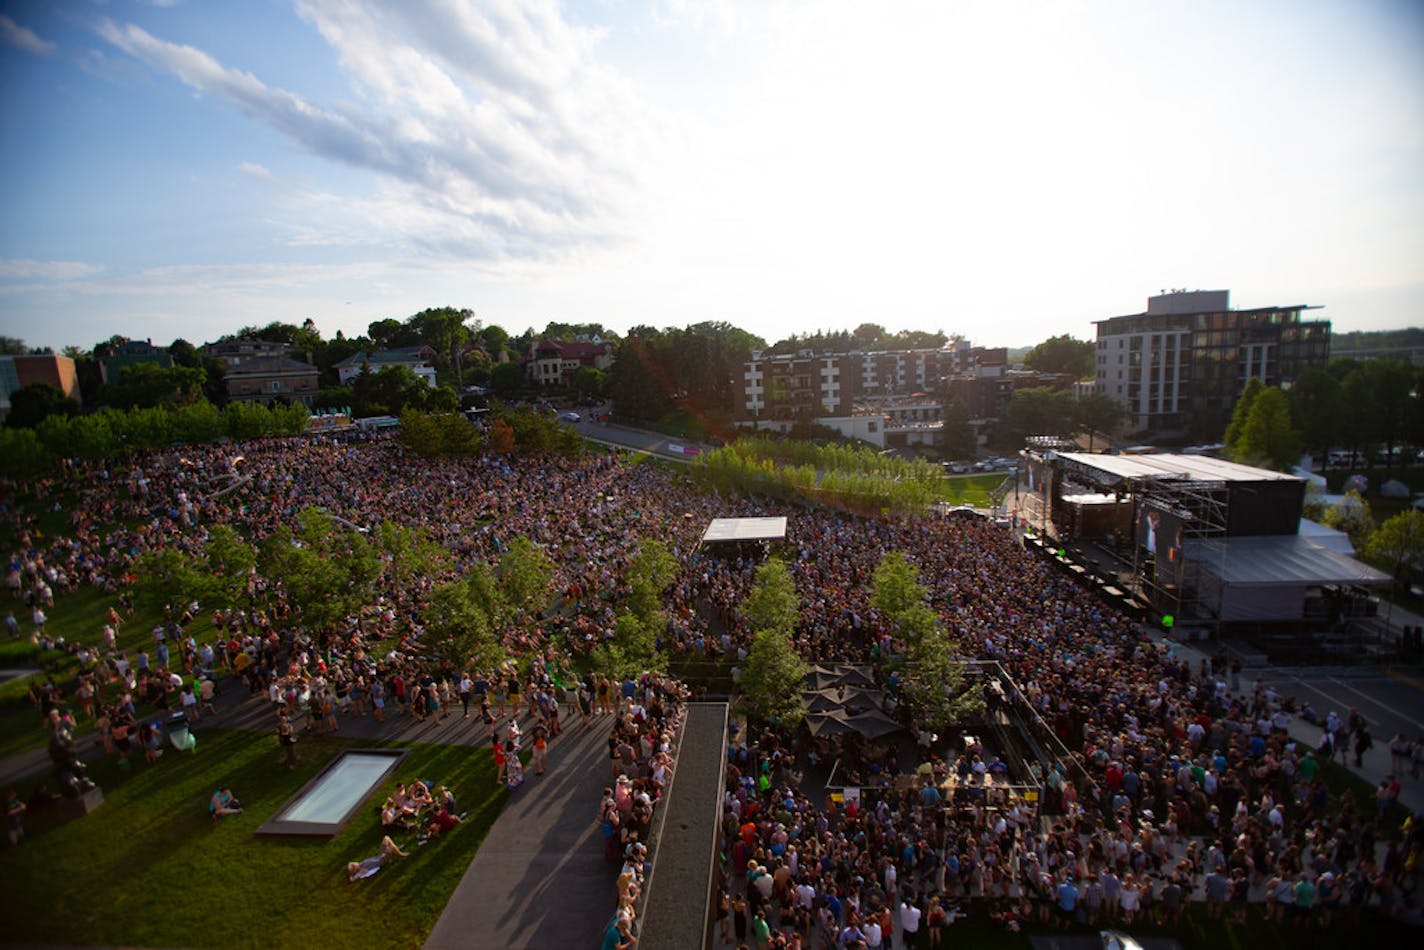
(1390, 702)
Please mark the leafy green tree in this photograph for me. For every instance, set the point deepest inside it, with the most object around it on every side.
(1397, 545)
(388, 391)
(1267, 437)
(12, 346)
(1098, 413)
(773, 678)
(506, 378)
(1391, 384)
(185, 354)
(589, 383)
(1352, 515)
(460, 630)
(197, 422)
(409, 554)
(632, 650)
(772, 603)
(1316, 410)
(641, 382)
(1244, 402)
(31, 404)
(1063, 354)
(439, 435)
(1038, 410)
(525, 573)
(896, 586)
(229, 561)
(650, 573)
(22, 455)
(931, 674)
(959, 439)
(326, 568)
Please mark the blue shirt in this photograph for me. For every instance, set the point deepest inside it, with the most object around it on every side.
(1067, 896)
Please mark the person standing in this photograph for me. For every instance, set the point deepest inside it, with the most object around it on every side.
(909, 922)
(287, 736)
(1364, 742)
(467, 686)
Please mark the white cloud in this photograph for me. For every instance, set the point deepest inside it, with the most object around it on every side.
(494, 128)
(22, 269)
(26, 39)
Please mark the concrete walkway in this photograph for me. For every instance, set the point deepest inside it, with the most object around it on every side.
(539, 878)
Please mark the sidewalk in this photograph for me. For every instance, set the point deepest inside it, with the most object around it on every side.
(539, 878)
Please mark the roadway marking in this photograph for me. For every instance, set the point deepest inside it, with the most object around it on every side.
(1407, 717)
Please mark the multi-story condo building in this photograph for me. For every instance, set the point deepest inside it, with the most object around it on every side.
(1179, 367)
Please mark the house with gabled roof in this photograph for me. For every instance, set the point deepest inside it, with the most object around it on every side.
(418, 359)
(554, 362)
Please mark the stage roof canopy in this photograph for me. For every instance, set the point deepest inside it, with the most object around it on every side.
(1287, 560)
(1195, 468)
(744, 529)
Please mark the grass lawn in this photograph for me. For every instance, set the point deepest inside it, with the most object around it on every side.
(971, 489)
(77, 617)
(149, 868)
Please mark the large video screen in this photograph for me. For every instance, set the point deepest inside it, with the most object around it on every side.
(1160, 533)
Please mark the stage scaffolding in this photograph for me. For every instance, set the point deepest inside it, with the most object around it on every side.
(1202, 507)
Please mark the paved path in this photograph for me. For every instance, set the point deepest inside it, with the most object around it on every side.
(539, 878)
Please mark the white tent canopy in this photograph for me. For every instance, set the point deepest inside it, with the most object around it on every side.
(745, 529)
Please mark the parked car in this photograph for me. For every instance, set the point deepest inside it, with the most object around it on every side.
(569, 417)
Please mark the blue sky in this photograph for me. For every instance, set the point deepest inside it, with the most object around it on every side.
(1006, 170)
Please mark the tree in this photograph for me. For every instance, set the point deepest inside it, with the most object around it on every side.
(772, 603)
(185, 354)
(773, 678)
(388, 391)
(506, 378)
(1038, 410)
(439, 435)
(1316, 410)
(30, 405)
(1398, 544)
(22, 455)
(931, 674)
(1063, 354)
(1098, 412)
(1267, 438)
(1352, 515)
(896, 586)
(650, 573)
(409, 554)
(12, 346)
(145, 385)
(326, 568)
(501, 438)
(960, 441)
(525, 573)
(632, 650)
(640, 382)
(589, 383)
(460, 629)
(1240, 412)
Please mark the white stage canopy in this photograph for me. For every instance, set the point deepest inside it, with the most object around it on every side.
(744, 529)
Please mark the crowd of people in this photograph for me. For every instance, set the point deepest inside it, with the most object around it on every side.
(1181, 781)
(642, 749)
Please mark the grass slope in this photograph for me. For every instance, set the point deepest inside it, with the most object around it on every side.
(150, 868)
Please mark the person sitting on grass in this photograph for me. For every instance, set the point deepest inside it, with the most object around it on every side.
(223, 803)
(356, 870)
(418, 796)
(442, 821)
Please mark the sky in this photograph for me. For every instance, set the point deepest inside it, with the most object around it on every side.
(1006, 170)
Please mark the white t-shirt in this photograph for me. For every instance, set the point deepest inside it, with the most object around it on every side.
(909, 918)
